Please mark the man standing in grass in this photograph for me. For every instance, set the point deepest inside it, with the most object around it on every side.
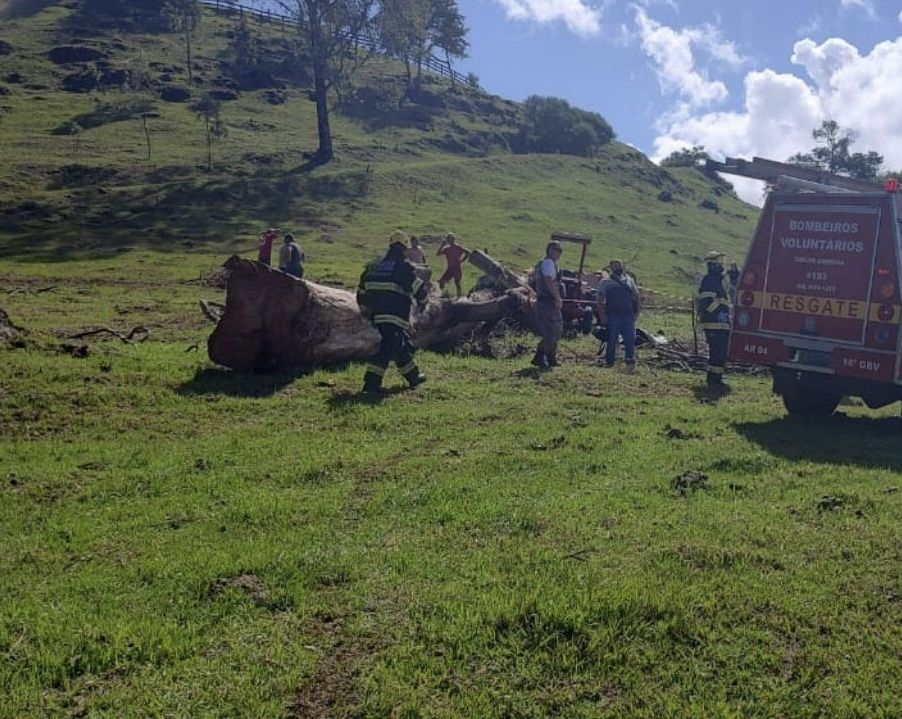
(264, 245)
(415, 252)
(618, 305)
(455, 256)
(291, 257)
(546, 278)
(714, 317)
(387, 288)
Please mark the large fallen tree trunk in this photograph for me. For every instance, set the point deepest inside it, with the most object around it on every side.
(274, 321)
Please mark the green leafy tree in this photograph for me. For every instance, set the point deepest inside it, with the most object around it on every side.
(553, 125)
(865, 165)
(329, 30)
(412, 30)
(208, 109)
(832, 153)
(686, 157)
(184, 16)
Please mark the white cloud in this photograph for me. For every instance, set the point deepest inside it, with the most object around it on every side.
(672, 52)
(579, 17)
(822, 61)
(862, 93)
(865, 5)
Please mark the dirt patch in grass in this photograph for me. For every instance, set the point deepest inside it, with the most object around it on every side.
(251, 584)
(331, 691)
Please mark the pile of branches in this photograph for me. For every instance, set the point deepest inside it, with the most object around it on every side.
(505, 339)
(679, 357)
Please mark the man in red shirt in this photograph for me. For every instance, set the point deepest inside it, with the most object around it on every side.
(264, 245)
(455, 256)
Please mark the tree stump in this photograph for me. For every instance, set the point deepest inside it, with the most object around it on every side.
(274, 321)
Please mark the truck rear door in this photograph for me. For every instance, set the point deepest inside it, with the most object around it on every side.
(819, 271)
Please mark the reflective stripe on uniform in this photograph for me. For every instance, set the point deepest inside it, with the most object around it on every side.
(714, 369)
(717, 303)
(417, 283)
(707, 295)
(375, 369)
(391, 320)
(385, 287)
(715, 326)
(408, 368)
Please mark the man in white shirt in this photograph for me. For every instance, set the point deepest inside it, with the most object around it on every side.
(549, 320)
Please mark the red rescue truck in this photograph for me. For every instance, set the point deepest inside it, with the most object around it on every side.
(818, 299)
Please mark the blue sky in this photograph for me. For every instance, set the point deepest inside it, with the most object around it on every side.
(741, 77)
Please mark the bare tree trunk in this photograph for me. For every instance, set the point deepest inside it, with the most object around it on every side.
(323, 129)
(209, 147)
(188, 50)
(146, 134)
(274, 321)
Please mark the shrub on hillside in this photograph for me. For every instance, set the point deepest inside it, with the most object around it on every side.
(686, 157)
(553, 125)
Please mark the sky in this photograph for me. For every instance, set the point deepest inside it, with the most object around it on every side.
(740, 77)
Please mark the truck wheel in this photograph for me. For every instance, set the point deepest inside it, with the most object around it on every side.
(809, 402)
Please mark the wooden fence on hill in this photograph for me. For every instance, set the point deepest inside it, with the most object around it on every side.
(367, 40)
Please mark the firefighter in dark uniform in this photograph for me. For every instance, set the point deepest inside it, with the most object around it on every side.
(714, 316)
(387, 287)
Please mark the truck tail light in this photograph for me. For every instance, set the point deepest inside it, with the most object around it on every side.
(747, 299)
(744, 318)
(887, 289)
(748, 279)
(881, 335)
(885, 312)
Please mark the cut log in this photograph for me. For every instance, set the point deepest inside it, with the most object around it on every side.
(275, 321)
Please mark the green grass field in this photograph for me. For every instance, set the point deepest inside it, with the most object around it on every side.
(182, 541)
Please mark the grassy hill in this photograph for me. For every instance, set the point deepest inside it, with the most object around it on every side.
(429, 166)
(181, 541)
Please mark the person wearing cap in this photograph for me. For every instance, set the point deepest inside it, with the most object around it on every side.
(264, 245)
(291, 257)
(714, 316)
(550, 302)
(455, 256)
(386, 291)
(618, 306)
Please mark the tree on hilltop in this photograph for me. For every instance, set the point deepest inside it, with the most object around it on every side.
(413, 29)
(183, 16)
(553, 125)
(686, 157)
(832, 153)
(330, 31)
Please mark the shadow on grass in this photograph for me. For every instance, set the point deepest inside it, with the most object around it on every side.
(861, 441)
(340, 400)
(101, 219)
(711, 395)
(531, 372)
(235, 384)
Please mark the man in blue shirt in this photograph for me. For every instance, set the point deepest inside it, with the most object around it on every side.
(618, 305)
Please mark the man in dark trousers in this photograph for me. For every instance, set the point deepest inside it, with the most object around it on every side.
(618, 304)
(714, 317)
(547, 284)
(387, 288)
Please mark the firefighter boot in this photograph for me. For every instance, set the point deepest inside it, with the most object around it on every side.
(372, 380)
(539, 360)
(414, 377)
(715, 379)
(551, 360)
